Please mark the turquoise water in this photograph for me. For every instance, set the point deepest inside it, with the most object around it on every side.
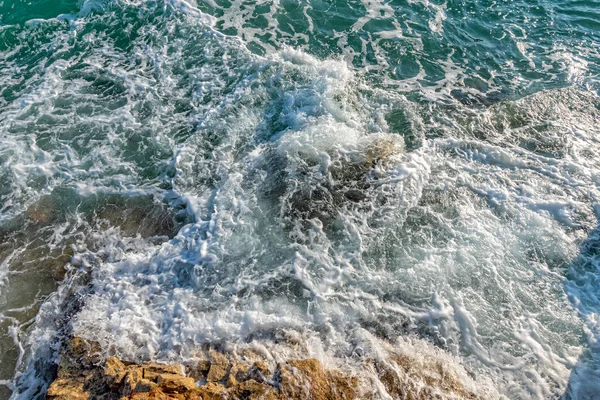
(368, 177)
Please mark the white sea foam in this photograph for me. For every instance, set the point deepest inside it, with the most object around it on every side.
(482, 230)
(313, 217)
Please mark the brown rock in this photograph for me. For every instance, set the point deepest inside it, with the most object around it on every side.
(203, 368)
(131, 379)
(144, 385)
(114, 371)
(210, 391)
(262, 367)
(253, 390)
(259, 372)
(79, 359)
(219, 366)
(82, 376)
(171, 383)
(239, 371)
(154, 394)
(153, 370)
(80, 354)
(163, 368)
(230, 381)
(66, 389)
(307, 379)
(405, 378)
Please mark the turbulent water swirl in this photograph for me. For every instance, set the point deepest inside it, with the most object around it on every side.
(369, 180)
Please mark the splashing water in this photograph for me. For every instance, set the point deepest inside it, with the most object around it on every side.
(372, 180)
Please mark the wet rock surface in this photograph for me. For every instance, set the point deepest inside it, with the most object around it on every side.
(406, 378)
(304, 186)
(59, 236)
(83, 374)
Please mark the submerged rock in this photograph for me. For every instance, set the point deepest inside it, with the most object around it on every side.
(314, 182)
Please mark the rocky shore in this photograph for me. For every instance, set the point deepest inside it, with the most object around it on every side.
(85, 374)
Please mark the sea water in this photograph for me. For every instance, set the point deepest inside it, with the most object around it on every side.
(364, 178)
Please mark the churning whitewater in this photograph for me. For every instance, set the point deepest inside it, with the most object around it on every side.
(406, 184)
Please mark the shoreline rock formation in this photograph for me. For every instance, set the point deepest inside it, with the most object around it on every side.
(83, 375)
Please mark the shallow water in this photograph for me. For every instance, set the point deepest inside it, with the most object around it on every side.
(365, 177)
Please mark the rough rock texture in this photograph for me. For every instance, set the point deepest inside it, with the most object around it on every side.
(84, 375)
(407, 378)
(301, 378)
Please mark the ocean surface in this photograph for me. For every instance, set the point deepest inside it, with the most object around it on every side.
(361, 177)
